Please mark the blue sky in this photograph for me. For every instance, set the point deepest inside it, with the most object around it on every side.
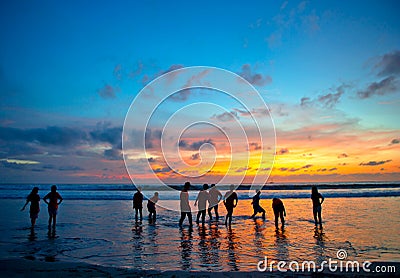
(78, 65)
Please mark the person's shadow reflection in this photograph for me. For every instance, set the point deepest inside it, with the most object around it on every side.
(281, 244)
(186, 248)
(32, 234)
(259, 235)
(232, 245)
(319, 247)
(137, 244)
(215, 244)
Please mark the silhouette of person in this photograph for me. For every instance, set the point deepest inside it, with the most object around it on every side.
(184, 205)
(138, 203)
(202, 199)
(230, 202)
(279, 211)
(256, 205)
(317, 200)
(215, 198)
(34, 208)
(151, 207)
(54, 200)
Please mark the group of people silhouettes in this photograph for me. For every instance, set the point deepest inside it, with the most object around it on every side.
(151, 205)
(52, 199)
(211, 195)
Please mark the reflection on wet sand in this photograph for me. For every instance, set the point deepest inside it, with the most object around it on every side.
(137, 244)
(281, 244)
(259, 239)
(232, 246)
(32, 235)
(186, 247)
(319, 248)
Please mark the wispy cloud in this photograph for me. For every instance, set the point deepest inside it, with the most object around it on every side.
(328, 100)
(195, 145)
(375, 163)
(389, 64)
(253, 78)
(226, 116)
(108, 91)
(380, 88)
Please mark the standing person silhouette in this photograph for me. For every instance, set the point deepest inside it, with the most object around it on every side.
(54, 200)
(151, 207)
(138, 203)
(34, 208)
(185, 206)
(317, 200)
(215, 198)
(279, 211)
(230, 202)
(202, 199)
(256, 205)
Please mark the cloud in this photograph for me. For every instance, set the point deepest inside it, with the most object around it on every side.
(383, 87)
(297, 19)
(328, 100)
(118, 72)
(389, 64)
(255, 112)
(182, 95)
(242, 169)
(284, 169)
(195, 156)
(60, 140)
(255, 146)
(151, 160)
(375, 163)
(108, 91)
(53, 135)
(254, 78)
(113, 154)
(395, 141)
(105, 133)
(70, 168)
(162, 170)
(195, 145)
(282, 151)
(146, 78)
(226, 116)
(152, 138)
(343, 155)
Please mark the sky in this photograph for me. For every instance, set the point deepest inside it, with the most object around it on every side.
(329, 72)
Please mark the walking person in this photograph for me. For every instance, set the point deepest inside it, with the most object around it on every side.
(185, 206)
(138, 203)
(34, 208)
(256, 205)
(317, 200)
(215, 197)
(230, 202)
(279, 211)
(53, 199)
(202, 199)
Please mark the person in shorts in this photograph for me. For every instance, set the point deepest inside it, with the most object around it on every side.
(53, 199)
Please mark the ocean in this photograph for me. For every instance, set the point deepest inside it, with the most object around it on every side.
(96, 225)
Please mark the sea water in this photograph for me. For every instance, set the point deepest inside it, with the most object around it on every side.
(102, 230)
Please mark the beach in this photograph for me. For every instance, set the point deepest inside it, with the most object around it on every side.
(98, 234)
